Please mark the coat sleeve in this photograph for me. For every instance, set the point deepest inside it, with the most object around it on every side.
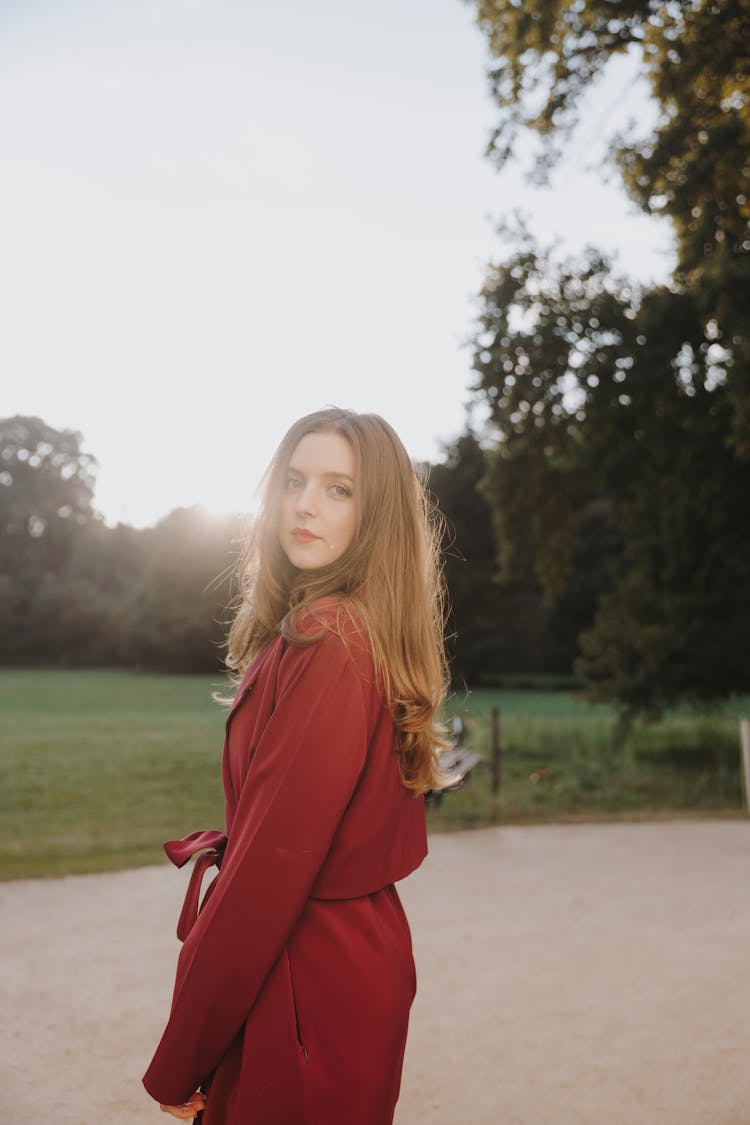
(304, 772)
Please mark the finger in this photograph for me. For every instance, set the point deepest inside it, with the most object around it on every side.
(195, 1101)
(183, 1112)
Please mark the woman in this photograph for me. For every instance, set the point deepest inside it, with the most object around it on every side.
(296, 976)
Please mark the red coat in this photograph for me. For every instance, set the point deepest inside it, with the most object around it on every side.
(294, 984)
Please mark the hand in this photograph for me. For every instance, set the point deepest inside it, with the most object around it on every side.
(189, 1109)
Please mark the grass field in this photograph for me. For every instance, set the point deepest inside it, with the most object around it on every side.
(561, 760)
(99, 768)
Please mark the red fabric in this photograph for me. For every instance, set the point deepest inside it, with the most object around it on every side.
(295, 980)
(180, 851)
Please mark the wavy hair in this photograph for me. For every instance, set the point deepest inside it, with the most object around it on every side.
(391, 576)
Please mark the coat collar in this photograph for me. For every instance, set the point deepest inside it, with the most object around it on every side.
(253, 671)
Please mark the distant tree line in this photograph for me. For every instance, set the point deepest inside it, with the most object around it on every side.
(74, 591)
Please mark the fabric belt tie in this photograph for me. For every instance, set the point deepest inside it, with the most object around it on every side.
(180, 851)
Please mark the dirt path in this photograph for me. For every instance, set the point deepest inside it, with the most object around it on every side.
(568, 975)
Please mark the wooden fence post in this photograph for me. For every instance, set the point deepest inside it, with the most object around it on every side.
(496, 764)
(745, 744)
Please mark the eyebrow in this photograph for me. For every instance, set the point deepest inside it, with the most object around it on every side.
(330, 475)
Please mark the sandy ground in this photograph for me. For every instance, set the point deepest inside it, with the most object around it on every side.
(568, 974)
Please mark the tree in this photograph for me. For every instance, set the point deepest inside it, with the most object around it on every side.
(693, 168)
(635, 401)
(46, 489)
(175, 605)
(503, 628)
(76, 592)
(599, 418)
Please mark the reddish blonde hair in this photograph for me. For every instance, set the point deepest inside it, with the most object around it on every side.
(390, 575)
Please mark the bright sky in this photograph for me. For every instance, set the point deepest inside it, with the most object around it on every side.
(219, 215)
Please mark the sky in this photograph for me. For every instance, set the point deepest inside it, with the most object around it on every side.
(219, 215)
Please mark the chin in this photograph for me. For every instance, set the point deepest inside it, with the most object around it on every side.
(305, 559)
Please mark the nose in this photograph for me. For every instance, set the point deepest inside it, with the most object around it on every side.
(305, 504)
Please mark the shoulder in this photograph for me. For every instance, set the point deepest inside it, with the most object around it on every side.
(334, 626)
(335, 615)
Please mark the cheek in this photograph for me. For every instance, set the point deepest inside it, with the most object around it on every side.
(285, 514)
(287, 504)
(349, 524)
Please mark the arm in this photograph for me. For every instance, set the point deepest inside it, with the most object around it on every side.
(305, 769)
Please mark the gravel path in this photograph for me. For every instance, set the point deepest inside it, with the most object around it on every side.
(594, 974)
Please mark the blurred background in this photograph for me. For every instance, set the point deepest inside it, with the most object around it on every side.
(519, 232)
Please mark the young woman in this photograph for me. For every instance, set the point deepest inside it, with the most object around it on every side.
(296, 976)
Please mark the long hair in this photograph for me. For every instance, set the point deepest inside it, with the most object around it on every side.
(390, 575)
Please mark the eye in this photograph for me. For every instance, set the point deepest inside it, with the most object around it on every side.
(340, 490)
(292, 483)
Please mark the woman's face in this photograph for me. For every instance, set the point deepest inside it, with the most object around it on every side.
(319, 505)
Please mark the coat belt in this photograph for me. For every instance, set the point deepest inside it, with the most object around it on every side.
(180, 851)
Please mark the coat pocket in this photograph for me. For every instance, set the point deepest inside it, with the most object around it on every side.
(295, 1007)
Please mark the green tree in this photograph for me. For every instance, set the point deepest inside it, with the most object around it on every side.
(615, 455)
(693, 168)
(46, 489)
(477, 626)
(504, 628)
(76, 592)
(637, 402)
(174, 607)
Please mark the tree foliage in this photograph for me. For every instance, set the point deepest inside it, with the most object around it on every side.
(603, 403)
(636, 401)
(76, 592)
(46, 487)
(499, 629)
(693, 168)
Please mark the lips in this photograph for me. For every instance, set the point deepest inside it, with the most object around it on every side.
(301, 535)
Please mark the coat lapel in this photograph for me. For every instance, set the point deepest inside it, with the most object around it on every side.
(251, 675)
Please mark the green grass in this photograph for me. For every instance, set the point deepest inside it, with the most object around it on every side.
(561, 760)
(99, 768)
